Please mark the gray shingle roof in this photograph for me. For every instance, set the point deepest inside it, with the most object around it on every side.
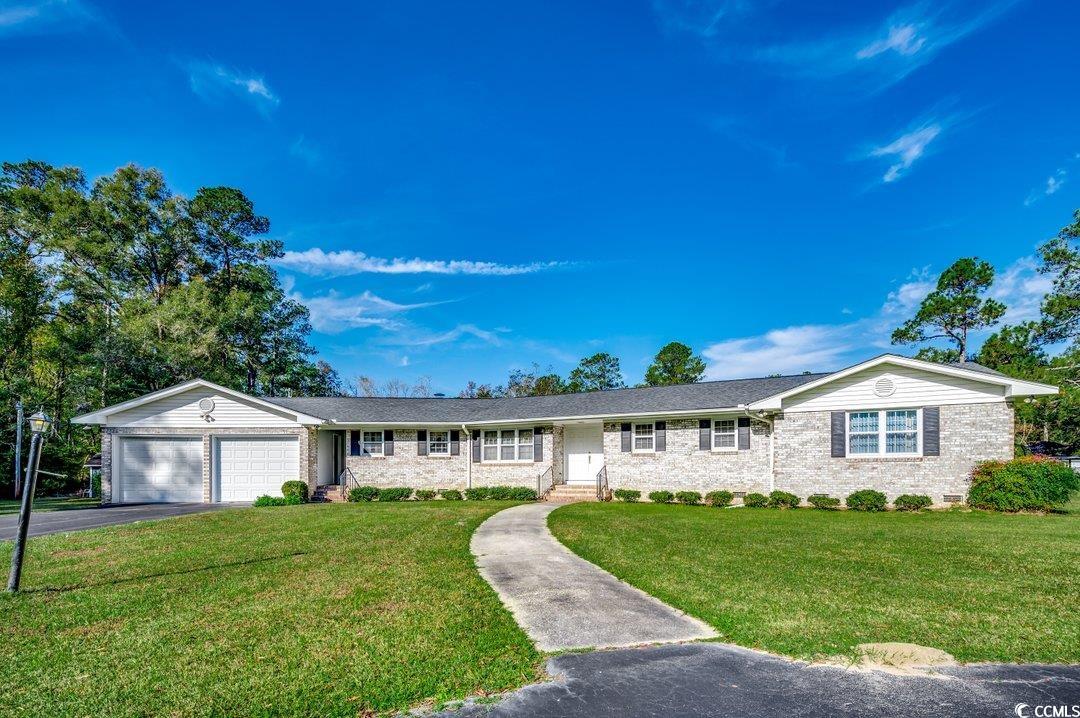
(617, 402)
(979, 368)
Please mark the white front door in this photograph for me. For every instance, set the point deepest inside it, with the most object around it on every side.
(251, 467)
(584, 448)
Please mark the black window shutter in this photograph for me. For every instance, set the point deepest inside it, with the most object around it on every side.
(931, 431)
(744, 433)
(839, 434)
(625, 437)
(354, 443)
(476, 435)
(388, 442)
(455, 442)
(538, 444)
(705, 434)
(661, 436)
(421, 442)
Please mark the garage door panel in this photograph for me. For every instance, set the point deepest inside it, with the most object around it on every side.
(160, 469)
(253, 467)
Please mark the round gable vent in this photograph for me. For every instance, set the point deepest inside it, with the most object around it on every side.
(206, 405)
(884, 387)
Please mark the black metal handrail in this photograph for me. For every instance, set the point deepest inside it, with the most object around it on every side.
(541, 492)
(602, 484)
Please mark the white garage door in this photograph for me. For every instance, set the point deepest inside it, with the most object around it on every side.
(160, 469)
(251, 467)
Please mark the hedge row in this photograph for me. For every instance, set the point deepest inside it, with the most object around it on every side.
(500, 493)
(865, 500)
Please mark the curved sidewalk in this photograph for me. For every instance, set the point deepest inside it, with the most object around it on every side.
(561, 600)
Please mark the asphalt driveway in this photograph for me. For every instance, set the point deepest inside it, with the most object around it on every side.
(52, 522)
(711, 679)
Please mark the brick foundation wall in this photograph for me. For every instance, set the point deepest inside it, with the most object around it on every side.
(683, 466)
(307, 453)
(969, 433)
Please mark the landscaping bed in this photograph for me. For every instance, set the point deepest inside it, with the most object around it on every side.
(337, 609)
(807, 583)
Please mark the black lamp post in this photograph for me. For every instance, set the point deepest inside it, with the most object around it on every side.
(39, 424)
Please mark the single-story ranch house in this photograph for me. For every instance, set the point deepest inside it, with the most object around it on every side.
(892, 423)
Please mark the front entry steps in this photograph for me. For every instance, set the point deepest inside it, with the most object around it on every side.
(571, 493)
(328, 494)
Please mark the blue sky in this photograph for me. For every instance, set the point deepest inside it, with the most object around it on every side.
(468, 188)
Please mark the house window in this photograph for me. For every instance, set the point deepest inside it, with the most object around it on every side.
(644, 437)
(373, 443)
(724, 435)
(439, 442)
(508, 445)
(892, 432)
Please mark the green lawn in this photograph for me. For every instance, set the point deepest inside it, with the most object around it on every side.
(309, 610)
(984, 587)
(7, 506)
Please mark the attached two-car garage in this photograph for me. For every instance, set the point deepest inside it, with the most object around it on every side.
(169, 469)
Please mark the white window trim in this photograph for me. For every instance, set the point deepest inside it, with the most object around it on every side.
(430, 441)
(712, 434)
(881, 453)
(382, 442)
(498, 445)
(633, 437)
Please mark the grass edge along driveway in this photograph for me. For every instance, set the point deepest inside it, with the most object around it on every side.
(806, 583)
(330, 610)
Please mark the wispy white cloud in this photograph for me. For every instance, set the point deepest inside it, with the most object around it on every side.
(307, 151)
(908, 39)
(697, 17)
(825, 347)
(1053, 183)
(906, 149)
(212, 82)
(334, 312)
(345, 262)
(45, 16)
(423, 338)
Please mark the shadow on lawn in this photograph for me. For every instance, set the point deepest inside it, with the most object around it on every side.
(163, 574)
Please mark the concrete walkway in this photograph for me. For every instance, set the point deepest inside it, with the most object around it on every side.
(713, 679)
(561, 600)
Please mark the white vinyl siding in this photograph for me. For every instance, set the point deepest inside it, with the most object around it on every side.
(888, 432)
(911, 387)
(438, 442)
(183, 410)
(507, 445)
(644, 438)
(724, 435)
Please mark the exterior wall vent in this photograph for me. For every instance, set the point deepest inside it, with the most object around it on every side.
(739, 494)
(953, 498)
(206, 405)
(884, 387)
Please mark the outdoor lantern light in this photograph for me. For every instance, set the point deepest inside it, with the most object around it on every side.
(40, 423)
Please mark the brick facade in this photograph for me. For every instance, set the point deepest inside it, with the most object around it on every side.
(408, 468)
(307, 451)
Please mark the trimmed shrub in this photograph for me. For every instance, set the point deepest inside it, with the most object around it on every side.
(629, 496)
(499, 493)
(1029, 483)
(295, 488)
(912, 502)
(397, 493)
(278, 501)
(479, 493)
(363, 493)
(823, 502)
(755, 500)
(690, 498)
(451, 494)
(522, 493)
(719, 499)
(783, 500)
(661, 497)
(425, 494)
(866, 500)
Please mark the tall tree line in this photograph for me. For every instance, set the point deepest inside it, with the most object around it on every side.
(114, 288)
